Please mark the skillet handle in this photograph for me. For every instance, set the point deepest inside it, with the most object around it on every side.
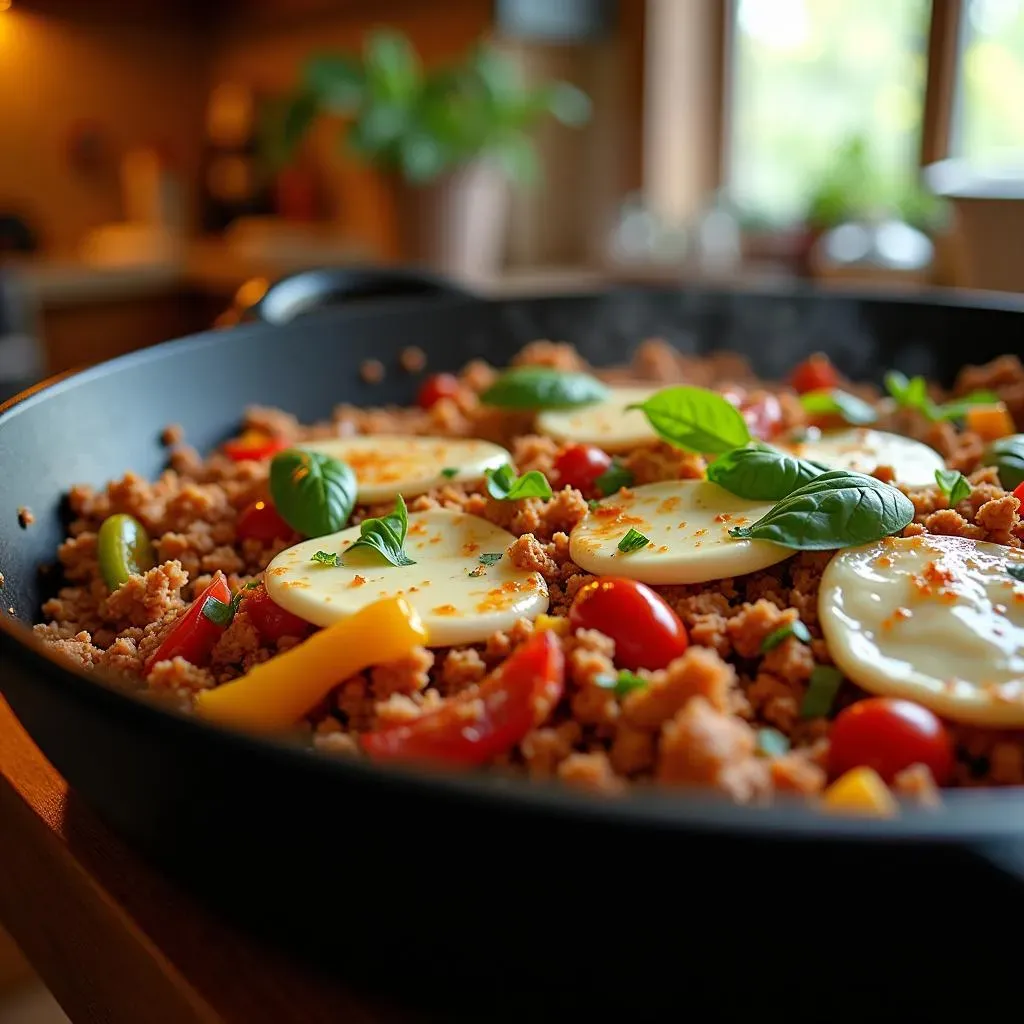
(1005, 856)
(314, 289)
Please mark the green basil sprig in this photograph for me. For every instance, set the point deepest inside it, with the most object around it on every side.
(613, 478)
(313, 493)
(221, 613)
(504, 485)
(623, 683)
(838, 509)
(953, 484)
(695, 419)
(822, 689)
(762, 473)
(385, 535)
(912, 393)
(539, 387)
(840, 403)
(1007, 455)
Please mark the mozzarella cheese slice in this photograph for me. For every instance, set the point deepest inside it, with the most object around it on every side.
(687, 523)
(606, 424)
(460, 599)
(935, 619)
(386, 465)
(862, 450)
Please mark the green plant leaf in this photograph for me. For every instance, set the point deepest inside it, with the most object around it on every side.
(776, 636)
(632, 540)
(504, 485)
(771, 743)
(222, 613)
(392, 67)
(326, 558)
(839, 403)
(613, 478)
(385, 535)
(538, 387)
(958, 408)
(953, 484)
(822, 689)
(517, 158)
(569, 105)
(623, 682)
(299, 113)
(695, 419)
(761, 473)
(422, 158)
(312, 492)
(835, 510)
(336, 80)
(491, 557)
(1007, 455)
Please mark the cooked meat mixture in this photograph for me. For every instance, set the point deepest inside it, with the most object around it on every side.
(684, 656)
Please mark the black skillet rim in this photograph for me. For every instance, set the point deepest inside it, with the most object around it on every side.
(971, 816)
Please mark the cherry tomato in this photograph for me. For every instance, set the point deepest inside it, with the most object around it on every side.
(272, 621)
(580, 465)
(254, 445)
(763, 415)
(889, 735)
(647, 633)
(193, 635)
(261, 521)
(1018, 492)
(477, 725)
(433, 389)
(814, 374)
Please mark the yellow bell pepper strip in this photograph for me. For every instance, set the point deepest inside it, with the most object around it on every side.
(273, 696)
(558, 624)
(860, 791)
(989, 422)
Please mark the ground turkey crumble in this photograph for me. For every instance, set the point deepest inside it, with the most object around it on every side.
(696, 722)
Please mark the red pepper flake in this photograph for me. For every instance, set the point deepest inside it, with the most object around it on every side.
(357, 581)
(445, 609)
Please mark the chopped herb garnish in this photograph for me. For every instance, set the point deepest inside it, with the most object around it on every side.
(821, 691)
(1007, 455)
(776, 636)
(953, 484)
(912, 393)
(477, 570)
(448, 472)
(623, 683)
(327, 558)
(836, 402)
(771, 743)
(490, 557)
(633, 540)
(504, 485)
(1017, 572)
(695, 419)
(613, 478)
(386, 535)
(222, 612)
(593, 504)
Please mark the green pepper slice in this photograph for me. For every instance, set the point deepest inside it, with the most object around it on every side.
(124, 549)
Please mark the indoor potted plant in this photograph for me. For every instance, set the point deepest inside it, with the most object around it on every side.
(448, 140)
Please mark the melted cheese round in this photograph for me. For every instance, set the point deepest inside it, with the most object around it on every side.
(386, 465)
(460, 600)
(687, 523)
(862, 450)
(606, 424)
(935, 619)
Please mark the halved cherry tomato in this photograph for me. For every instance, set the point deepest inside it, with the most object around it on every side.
(193, 635)
(814, 374)
(254, 445)
(1018, 492)
(433, 389)
(580, 465)
(647, 633)
(261, 521)
(270, 619)
(477, 725)
(888, 735)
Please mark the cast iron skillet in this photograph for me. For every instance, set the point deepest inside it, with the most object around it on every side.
(442, 886)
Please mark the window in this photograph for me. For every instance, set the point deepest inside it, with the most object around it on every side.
(825, 88)
(988, 128)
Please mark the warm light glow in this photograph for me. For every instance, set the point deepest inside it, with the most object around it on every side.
(5, 5)
(251, 292)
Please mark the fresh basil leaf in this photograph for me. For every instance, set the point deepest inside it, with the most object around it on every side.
(761, 473)
(822, 688)
(385, 535)
(771, 743)
(221, 613)
(623, 683)
(958, 408)
(841, 403)
(911, 393)
(633, 540)
(613, 478)
(490, 557)
(1007, 455)
(504, 485)
(838, 509)
(776, 636)
(448, 472)
(326, 558)
(953, 484)
(695, 419)
(313, 493)
(1017, 572)
(540, 387)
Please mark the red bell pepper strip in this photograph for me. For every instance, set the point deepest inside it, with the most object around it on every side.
(479, 724)
(261, 521)
(253, 445)
(193, 634)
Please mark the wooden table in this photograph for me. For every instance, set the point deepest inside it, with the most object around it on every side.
(116, 942)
